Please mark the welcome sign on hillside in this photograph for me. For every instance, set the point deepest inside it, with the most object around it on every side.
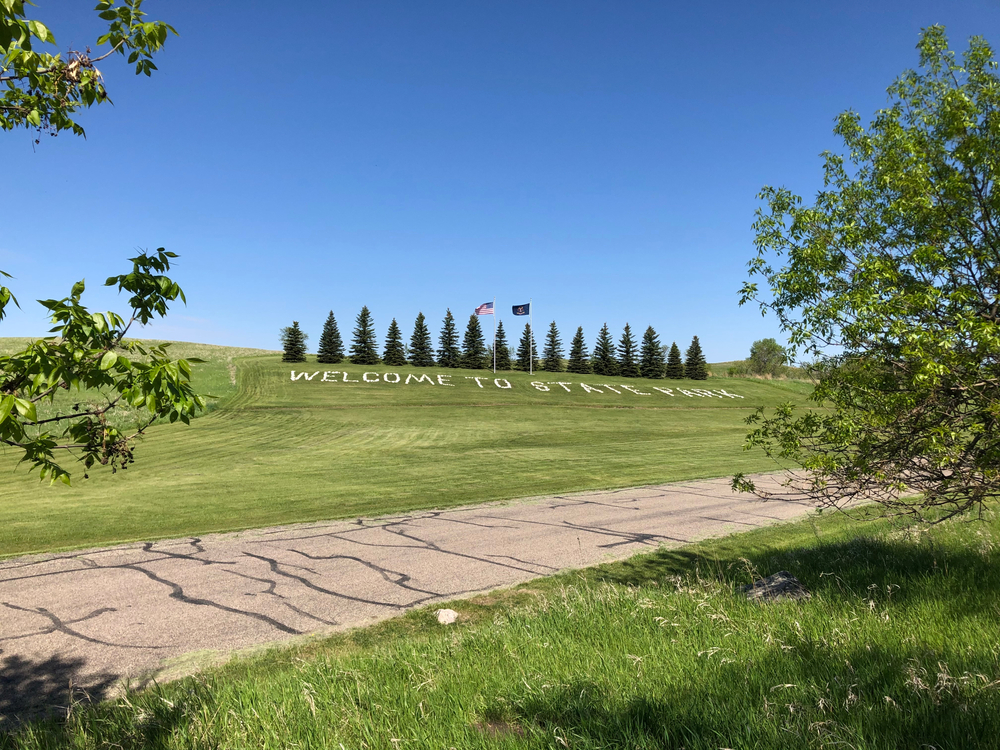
(394, 378)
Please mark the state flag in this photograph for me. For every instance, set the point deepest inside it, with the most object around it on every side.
(521, 309)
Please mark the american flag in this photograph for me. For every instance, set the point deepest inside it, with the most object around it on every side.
(485, 309)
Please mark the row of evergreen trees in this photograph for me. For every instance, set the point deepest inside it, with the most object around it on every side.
(628, 359)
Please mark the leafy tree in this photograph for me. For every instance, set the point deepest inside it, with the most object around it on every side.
(695, 367)
(421, 348)
(651, 363)
(627, 366)
(364, 348)
(331, 346)
(502, 348)
(553, 350)
(89, 351)
(891, 281)
(449, 355)
(293, 341)
(767, 357)
(394, 353)
(675, 367)
(43, 90)
(473, 345)
(527, 352)
(578, 362)
(604, 361)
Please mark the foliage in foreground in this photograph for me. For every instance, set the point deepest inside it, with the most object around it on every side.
(898, 647)
(891, 279)
(44, 90)
(88, 356)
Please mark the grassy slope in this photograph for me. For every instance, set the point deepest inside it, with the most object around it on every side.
(281, 451)
(898, 647)
(216, 377)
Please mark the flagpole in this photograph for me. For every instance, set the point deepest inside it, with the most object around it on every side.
(494, 335)
(531, 341)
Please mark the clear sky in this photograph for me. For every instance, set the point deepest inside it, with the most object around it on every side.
(600, 158)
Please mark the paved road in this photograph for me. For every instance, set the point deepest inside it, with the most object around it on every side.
(96, 616)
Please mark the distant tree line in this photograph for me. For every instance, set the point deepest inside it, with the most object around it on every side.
(628, 359)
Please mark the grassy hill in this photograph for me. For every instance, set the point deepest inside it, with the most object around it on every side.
(280, 451)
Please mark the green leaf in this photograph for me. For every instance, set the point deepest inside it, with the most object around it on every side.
(26, 409)
(6, 405)
(41, 31)
(108, 360)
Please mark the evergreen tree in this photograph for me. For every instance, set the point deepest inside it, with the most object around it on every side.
(525, 348)
(578, 362)
(473, 345)
(421, 347)
(553, 350)
(364, 348)
(627, 366)
(448, 352)
(331, 346)
(502, 348)
(603, 362)
(675, 367)
(293, 341)
(695, 367)
(651, 363)
(394, 352)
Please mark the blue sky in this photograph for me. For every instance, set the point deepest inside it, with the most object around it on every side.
(600, 158)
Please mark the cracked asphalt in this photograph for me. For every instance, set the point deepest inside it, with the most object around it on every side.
(95, 617)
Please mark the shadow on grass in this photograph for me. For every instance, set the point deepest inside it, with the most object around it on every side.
(961, 578)
(33, 689)
(38, 707)
(724, 710)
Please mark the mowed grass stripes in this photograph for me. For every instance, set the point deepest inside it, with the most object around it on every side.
(281, 451)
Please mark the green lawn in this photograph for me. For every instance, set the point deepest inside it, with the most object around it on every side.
(277, 451)
(899, 647)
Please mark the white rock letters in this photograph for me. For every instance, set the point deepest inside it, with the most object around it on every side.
(486, 382)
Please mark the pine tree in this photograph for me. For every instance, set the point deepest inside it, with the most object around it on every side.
(364, 348)
(502, 348)
(525, 348)
(553, 350)
(675, 367)
(448, 352)
(421, 347)
(293, 341)
(331, 346)
(603, 362)
(473, 345)
(394, 353)
(695, 367)
(578, 362)
(651, 363)
(627, 366)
